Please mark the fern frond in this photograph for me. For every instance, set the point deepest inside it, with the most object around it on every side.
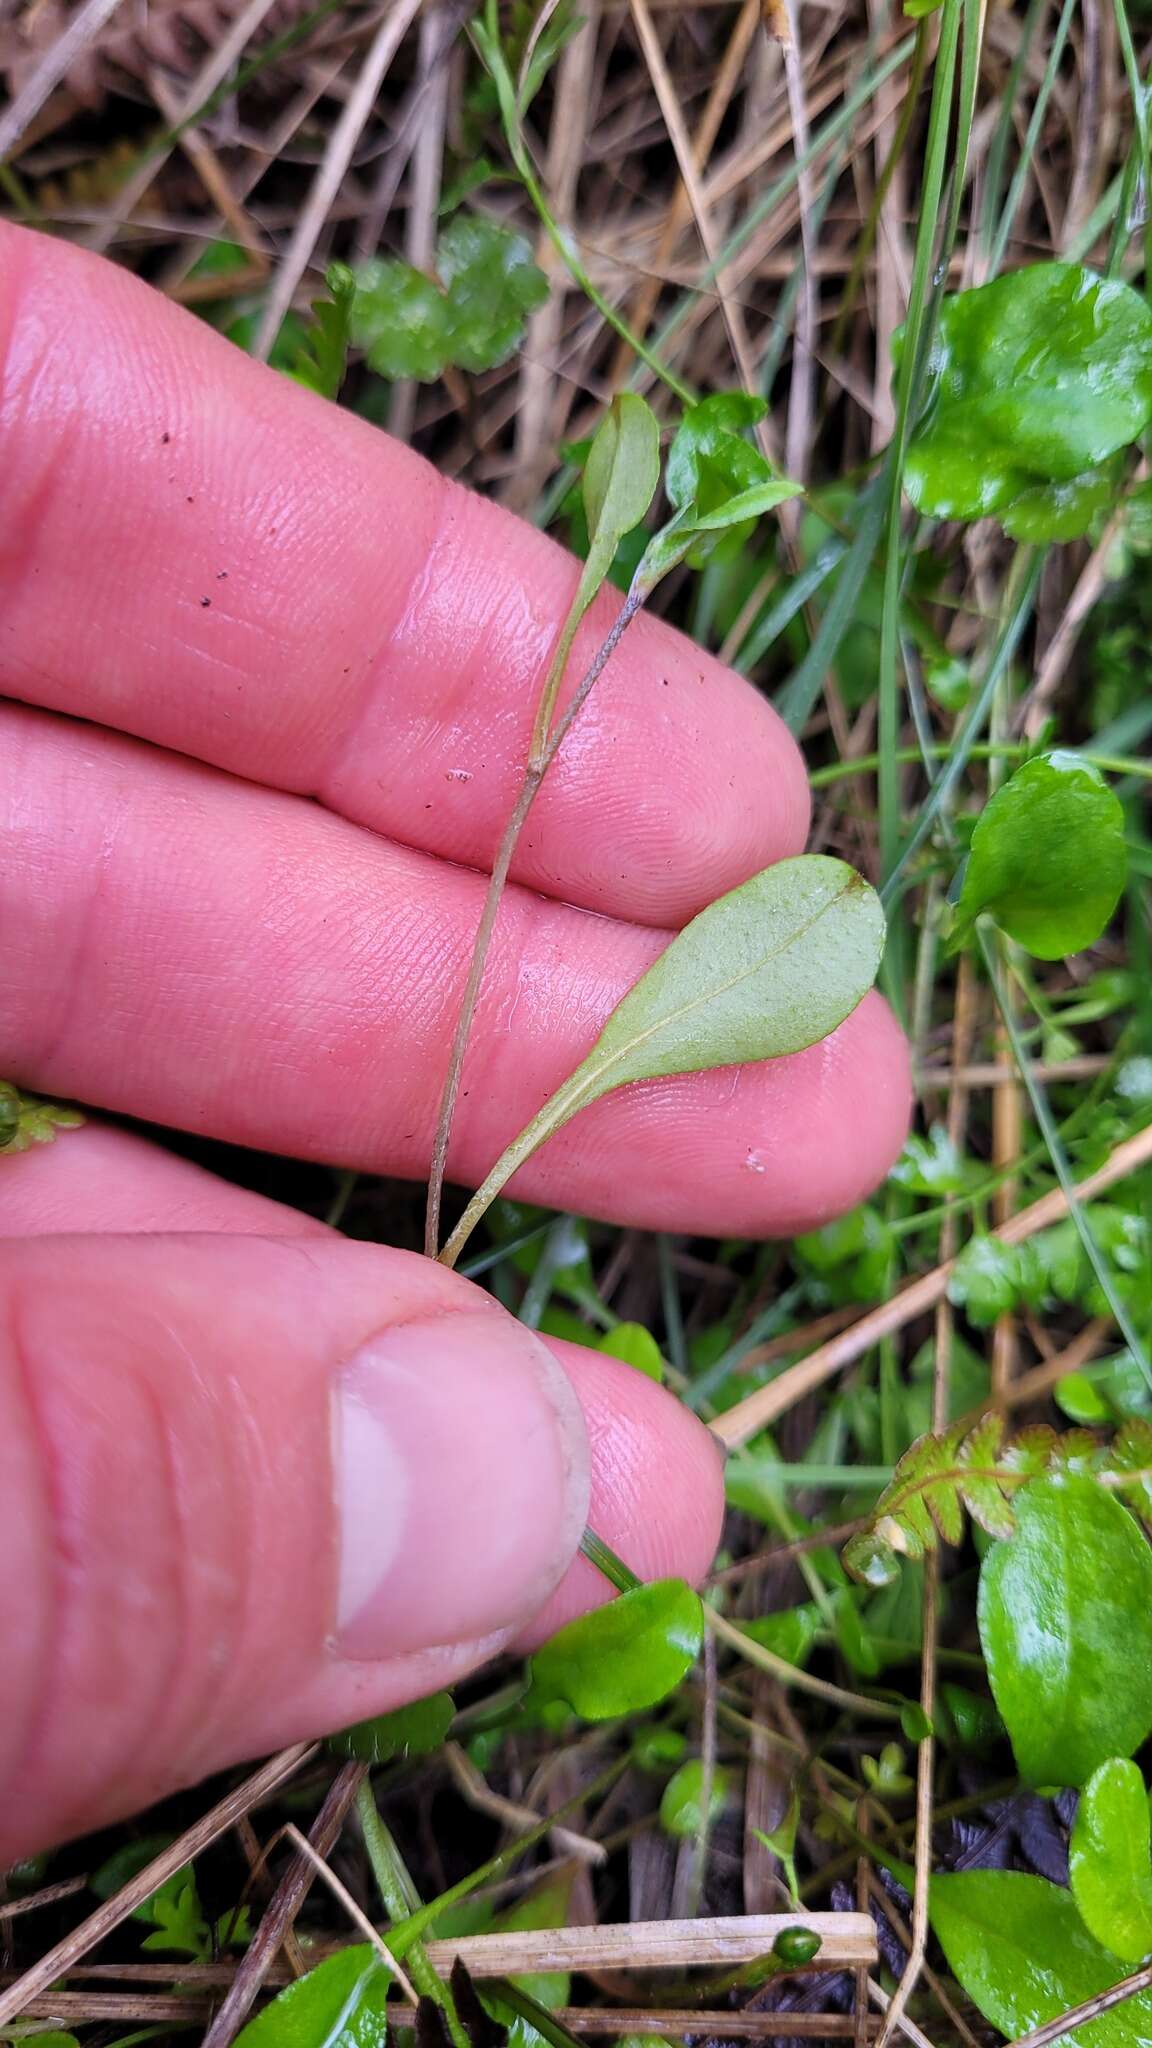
(942, 1476)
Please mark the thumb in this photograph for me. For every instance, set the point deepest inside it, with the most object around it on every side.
(253, 1490)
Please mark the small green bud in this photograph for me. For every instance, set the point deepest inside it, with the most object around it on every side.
(796, 1945)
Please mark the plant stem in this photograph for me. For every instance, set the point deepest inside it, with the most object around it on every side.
(400, 1900)
(545, 746)
(618, 1574)
(1005, 750)
(791, 1674)
(406, 1933)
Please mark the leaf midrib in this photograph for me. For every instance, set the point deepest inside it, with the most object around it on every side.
(711, 995)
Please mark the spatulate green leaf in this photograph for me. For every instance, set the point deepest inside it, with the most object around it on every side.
(637, 1347)
(768, 969)
(1048, 859)
(1109, 1862)
(1020, 1950)
(339, 2004)
(1035, 379)
(620, 480)
(624, 1656)
(1065, 1612)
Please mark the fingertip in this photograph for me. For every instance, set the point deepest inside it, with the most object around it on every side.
(657, 1495)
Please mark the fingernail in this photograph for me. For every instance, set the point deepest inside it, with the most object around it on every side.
(461, 1468)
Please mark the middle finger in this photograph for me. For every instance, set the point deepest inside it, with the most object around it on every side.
(238, 962)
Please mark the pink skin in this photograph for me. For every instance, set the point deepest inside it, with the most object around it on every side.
(238, 899)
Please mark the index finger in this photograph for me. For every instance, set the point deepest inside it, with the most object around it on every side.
(200, 553)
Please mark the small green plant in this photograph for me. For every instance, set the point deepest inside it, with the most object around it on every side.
(1036, 380)
(469, 314)
(1048, 859)
(27, 1120)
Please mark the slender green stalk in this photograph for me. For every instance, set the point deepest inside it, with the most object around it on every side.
(1140, 147)
(1023, 582)
(909, 384)
(400, 1899)
(405, 1933)
(1051, 1135)
(1023, 169)
(1006, 750)
(1005, 125)
(594, 1548)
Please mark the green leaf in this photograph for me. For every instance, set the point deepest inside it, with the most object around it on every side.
(768, 969)
(339, 2004)
(1020, 1950)
(937, 1478)
(492, 282)
(1061, 512)
(410, 325)
(1048, 859)
(682, 1807)
(547, 1905)
(1129, 1465)
(409, 1731)
(400, 321)
(715, 480)
(558, 31)
(179, 1926)
(748, 504)
(931, 1165)
(790, 1633)
(1109, 1863)
(1034, 379)
(27, 1120)
(968, 1720)
(619, 483)
(1065, 1612)
(637, 1347)
(624, 1656)
(322, 358)
(991, 1277)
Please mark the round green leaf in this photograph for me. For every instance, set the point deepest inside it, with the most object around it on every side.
(624, 1656)
(637, 1347)
(1065, 1612)
(1035, 378)
(1022, 1953)
(1109, 1863)
(339, 2004)
(682, 1807)
(1048, 859)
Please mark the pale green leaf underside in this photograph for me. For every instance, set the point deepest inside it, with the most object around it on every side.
(767, 969)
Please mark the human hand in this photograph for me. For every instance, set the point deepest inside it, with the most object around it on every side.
(258, 1482)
